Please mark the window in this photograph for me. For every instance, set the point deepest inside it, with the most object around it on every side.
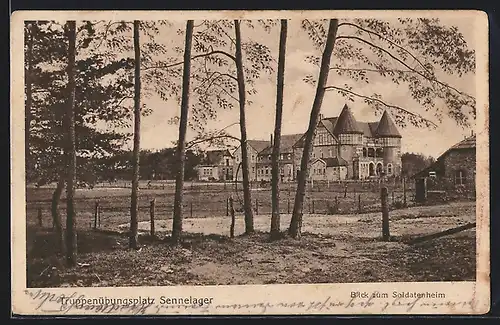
(329, 152)
(324, 171)
(460, 177)
(321, 152)
(365, 154)
(389, 169)
(267, 171)
(253, 157)
(314, 154)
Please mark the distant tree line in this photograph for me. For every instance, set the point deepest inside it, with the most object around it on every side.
(155, 165)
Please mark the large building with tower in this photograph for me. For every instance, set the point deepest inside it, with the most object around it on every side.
(343, 148)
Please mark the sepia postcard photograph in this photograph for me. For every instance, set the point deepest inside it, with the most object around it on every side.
(249, 162)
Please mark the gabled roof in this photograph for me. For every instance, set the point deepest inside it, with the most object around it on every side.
(286, 144)
(332, 161)
(335, 162)
(386, 127)
(258, 145)
(346, 123)
(214, 157)
(467, 143)
(288, 141)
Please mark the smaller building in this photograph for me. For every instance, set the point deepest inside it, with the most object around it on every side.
(217, 166)
(285, 159)
(328, 169)
(454, 172)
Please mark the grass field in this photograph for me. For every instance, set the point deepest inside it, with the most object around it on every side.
(201, 200)
(334, 248)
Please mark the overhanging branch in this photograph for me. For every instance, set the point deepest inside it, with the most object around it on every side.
(433, 78)
(399, 108)
(388, 41)
(192, 143)
(168, 66)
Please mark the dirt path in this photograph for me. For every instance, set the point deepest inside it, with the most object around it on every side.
(411, 221)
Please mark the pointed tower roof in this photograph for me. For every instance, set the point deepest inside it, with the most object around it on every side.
(386, 127)
(346, 123)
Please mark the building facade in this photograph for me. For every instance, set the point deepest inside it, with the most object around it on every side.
(218, 166)
(343, 147)
(454, 169)
(254, 147)
(364, 149)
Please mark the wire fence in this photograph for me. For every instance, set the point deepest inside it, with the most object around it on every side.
(109, 209)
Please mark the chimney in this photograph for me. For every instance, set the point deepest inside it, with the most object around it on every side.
(271, 139)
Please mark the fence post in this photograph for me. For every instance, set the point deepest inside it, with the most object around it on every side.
(345, 190)
(392, 197)
(385, 214)
(288, 205)
(40, 222)
(359, 204)
(256, 206)
(312, 206)
(231, 210)
(96, 214)
(227, 207)
(191, 209)
(336, 204)
(152, 216)
(404, 191)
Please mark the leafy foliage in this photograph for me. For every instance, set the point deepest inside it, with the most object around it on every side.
(213, 71)
(414, 53)
(104, 90)
(415, 162)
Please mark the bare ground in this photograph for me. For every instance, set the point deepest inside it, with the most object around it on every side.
(333, 249)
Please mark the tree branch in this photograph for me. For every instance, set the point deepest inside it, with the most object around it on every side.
(405, 64)
(388, 41)
(192, 143)
(372, 70)
(213, 80)
(192, 58)
(228, 36)
(199, 25)
(224, 90)
(314, 29)
(399, 108)
(111, 23)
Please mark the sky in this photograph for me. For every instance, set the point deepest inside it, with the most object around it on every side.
(157, 132)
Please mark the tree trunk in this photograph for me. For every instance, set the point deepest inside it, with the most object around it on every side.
(71, 236)
(56, 217)
(29, 100)
(247, 195)
(133, 237)
(275, 217)
(296, 221)
(181, 146)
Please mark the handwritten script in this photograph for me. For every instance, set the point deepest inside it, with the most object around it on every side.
(47, 302)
